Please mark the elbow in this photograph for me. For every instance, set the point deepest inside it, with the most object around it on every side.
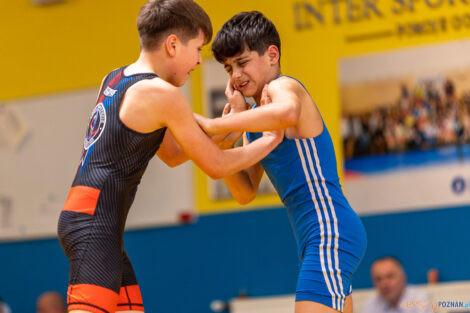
(245, 199)
(215, 172)
(290, 116)
(214, 175)
(209, 126)
(170, 159)
(218, 168)
(244, 196)
(171, 162)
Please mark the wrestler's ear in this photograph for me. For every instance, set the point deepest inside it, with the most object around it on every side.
(171, 43)
(273, 54)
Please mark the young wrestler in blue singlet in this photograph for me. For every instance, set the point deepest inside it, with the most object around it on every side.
(330, 235)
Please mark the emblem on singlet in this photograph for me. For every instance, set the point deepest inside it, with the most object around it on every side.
(109, 92)
(95, 126)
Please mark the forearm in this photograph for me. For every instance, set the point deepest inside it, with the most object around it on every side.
(268, 117)
(170, 151)
(244, 185)
(234, 160)
(240, 187)
(179, 157)
(173, 158)
(224, 140)
(229, 140)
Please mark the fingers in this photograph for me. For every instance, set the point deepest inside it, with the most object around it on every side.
(278, 134)
(237, 102)
(229, 90)
(226, 109)
(264, 95)
(237, 93)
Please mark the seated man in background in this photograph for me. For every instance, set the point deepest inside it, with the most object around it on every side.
(4, 308)
(389, 279)
(51, 302)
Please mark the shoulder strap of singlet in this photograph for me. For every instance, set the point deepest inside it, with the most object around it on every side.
(120, 71)
(296, 81)
(307, 92)
(255, 105)
(110, 76)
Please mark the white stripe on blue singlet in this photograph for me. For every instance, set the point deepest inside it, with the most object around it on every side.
(335, 224)
(327, 219)
(320, 221)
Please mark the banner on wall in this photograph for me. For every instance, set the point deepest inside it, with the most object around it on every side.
(428, 17)
(406, 128)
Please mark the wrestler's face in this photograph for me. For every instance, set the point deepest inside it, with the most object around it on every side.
(187, 57)
(389, 279)
(249, 71)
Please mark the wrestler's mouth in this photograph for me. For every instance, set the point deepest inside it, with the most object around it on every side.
(243, 85)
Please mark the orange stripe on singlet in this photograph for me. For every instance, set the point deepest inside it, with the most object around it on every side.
(130, 299)
(91, 298)
(82, 199)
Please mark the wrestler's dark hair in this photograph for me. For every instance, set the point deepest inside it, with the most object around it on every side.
(250, 30)
(160, 18)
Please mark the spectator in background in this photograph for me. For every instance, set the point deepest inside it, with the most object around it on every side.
(389, 279)
(426, 117)
(4, 308)
(51, 302)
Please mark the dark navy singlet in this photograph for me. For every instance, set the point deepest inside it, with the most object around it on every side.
(91, 224)
(115, 157)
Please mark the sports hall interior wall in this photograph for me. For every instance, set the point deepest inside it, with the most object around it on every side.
(182, 269)
(73, 45)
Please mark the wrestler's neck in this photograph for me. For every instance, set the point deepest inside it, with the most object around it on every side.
(156, 61)
(273, 74)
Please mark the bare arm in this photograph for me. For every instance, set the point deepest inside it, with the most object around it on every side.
(236, 104)
(174, 112)
(244, 184)
(218, 139)
(283, 112)
(170, 152)
(226, 140)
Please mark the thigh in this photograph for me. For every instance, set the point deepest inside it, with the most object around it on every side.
(312, 307)
(319, 281)
(315, 307)
(325, 276)
(348, 305)
(130, 297)
(96, 265)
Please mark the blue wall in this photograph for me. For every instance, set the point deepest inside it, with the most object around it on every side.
(182, 269)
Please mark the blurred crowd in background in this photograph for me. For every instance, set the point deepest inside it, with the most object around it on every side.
(424, 117)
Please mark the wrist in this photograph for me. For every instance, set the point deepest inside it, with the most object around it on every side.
(272, 141)
(236, 109)
(212, 125)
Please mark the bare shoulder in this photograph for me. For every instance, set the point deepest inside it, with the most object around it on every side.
(289, 90)
(153, 91)
(285, 83)
(149, 104)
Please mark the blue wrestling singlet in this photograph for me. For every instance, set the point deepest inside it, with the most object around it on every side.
(330, 236)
